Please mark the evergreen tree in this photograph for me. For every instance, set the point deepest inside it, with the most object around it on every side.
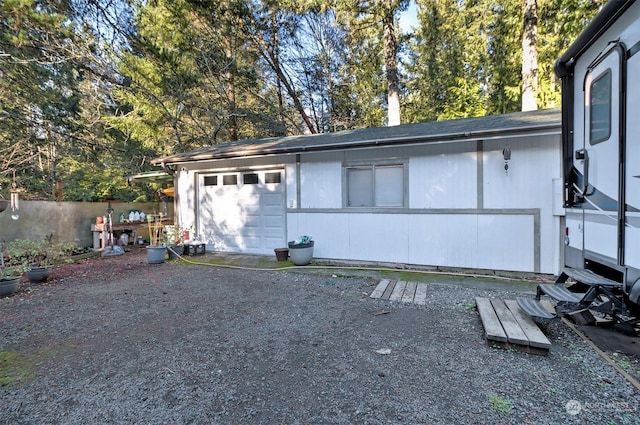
(530, 56)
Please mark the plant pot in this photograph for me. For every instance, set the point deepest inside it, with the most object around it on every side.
(282, 254)
(156, 254)
(38, 274)
(174, 251)
(300, 254)
(9, 285)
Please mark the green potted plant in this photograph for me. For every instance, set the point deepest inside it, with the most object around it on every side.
(157, 248)
(175, 246)
(11, 270)
(37, 258)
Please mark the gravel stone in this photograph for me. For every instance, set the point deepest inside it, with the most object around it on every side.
(118, 341)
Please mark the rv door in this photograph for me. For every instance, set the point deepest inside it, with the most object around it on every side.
(599, 156)
(632, 165)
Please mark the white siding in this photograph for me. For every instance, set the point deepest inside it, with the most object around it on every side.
(325, 181)
(485, 241)
(292, 186)
(504, 222)
(529, 183)
(444, 180)
(185, 200)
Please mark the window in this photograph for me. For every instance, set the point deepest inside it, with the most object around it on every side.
(250, 178)
(230, 179)
(375, 185)
(210, 180)
(272, 177)
(600, 111)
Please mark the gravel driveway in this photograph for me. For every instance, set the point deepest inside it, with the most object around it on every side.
(118, 341)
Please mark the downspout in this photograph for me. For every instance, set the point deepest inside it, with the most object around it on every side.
(168, 168)
(172, 172)
(567, 138)
(298, 182)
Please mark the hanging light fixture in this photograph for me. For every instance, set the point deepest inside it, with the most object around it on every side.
(15, 199)
(506, 154)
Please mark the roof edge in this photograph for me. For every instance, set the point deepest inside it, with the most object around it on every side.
(607, 16)
(395, 141)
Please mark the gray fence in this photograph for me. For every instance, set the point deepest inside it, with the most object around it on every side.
(67, 221)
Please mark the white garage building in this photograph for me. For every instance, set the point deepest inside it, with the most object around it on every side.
(480, 193)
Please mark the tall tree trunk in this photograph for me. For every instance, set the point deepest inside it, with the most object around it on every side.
(530, 56)
(271, 55)
(275, 42)
(391, 66)
(231, 91)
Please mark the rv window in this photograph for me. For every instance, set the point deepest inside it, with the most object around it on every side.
(375, 186)
(600, 116)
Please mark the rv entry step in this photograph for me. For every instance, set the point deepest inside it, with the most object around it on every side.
(534, 309)
(586, 277)
(558, 292)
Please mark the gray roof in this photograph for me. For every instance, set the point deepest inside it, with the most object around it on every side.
(426, 132)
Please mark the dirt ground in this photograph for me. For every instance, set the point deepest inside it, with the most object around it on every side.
(118, 341)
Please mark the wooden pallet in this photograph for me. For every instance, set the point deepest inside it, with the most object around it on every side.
(507, 325)
(407, 292)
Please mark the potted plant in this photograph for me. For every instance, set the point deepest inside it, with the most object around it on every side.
(282, 254)
(301, 250)
(175, 246)
(10, 273)
(157, 248)
(37, 258)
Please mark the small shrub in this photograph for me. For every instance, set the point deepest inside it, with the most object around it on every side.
(499, 404)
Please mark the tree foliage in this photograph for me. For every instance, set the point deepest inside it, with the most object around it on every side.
(90, 91)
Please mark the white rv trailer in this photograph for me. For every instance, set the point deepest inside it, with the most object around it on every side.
(601, 162)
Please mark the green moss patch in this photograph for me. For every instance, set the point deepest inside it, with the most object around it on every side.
(15, 368)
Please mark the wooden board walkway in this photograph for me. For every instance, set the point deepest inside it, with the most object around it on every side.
(506, 324)
(406, 292)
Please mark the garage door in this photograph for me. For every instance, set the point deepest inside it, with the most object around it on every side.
(242, 211)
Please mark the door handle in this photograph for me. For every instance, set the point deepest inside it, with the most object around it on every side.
(582, 154)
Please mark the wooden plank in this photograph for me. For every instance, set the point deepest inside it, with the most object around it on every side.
(421, 294)
(396, 295)
(514, 332)
(389, 290)
(409, 292)
(536, 337)
(382, 285)
(492, 327)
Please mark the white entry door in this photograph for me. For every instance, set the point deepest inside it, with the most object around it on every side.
(242, 211)
(600, 156)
